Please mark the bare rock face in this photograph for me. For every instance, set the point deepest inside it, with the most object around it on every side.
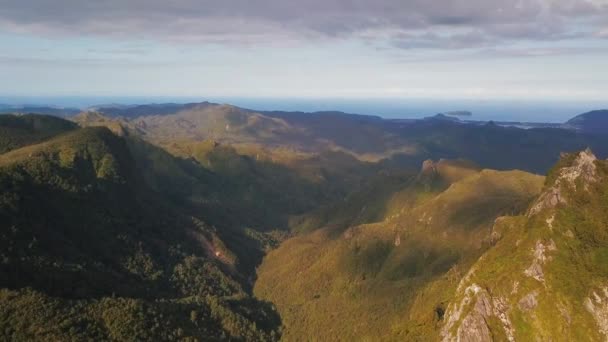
(583, 167)
(428, 166)
(529, 301)
(597, 305)
(540, 258)
(474, 326)
(549, 199)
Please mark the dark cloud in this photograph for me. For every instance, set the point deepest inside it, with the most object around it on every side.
(401, 23)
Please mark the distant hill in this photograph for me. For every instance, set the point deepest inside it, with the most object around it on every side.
(443, 116)
(34, 109)
(133, 111)
(594, 122)
(368, 138)
(458, 113)
(20, 130)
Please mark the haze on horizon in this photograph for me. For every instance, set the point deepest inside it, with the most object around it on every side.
(526, 49)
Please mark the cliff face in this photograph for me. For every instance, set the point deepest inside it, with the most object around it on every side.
(546, 276)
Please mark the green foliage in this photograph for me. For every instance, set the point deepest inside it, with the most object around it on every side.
(572, 267)
(90, 251)
(388, 280)
(20, 130)
(105, 236)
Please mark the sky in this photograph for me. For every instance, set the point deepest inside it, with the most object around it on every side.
(449, 49)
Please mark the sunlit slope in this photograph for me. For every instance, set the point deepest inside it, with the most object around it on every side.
(546, 277)
(385, 194)
(363, 282)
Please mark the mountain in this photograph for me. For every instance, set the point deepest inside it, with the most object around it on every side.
(91, 251)
(593, 122)
(213, 222)
(367, 138)
(46, 110)
(21, 130)
(443, 116)
(132, 111)
(390, 278)
(546, 276)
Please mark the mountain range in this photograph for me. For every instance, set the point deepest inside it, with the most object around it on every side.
(212, 222)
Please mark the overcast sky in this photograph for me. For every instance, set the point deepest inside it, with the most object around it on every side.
(529, 49)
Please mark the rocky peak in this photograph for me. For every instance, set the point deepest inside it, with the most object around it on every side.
(428, 167)
(582, 167)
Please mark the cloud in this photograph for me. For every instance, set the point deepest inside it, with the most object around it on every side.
(405, 24)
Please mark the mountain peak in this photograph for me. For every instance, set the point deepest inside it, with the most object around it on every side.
(571, 168)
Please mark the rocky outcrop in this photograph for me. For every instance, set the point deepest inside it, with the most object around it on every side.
(540, 258)
(583, 167)
(428, 166)
(528, 302)
(597, 305)
(474, 326)
(571, 207)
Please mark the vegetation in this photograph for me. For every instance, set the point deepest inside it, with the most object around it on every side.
(555, 255)
(393, 142)
(211, 222)
(362, 282)
(90, 251)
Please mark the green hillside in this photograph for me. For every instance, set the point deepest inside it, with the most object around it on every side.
(21, 130)
(387, 280)
(545, 279)
(89, 251)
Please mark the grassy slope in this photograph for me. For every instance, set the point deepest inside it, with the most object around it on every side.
(363, 282)
(572, 273)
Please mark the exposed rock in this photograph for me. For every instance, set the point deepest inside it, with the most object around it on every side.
(540, 258)
(550, 221)
(455, 310)
(529, 301)
(474, 326)
(582, 167)
(515, 287)
(549, 199)
(496, 235)
(428, 166)
(598, 307)
(501, 310)
(565, 313)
